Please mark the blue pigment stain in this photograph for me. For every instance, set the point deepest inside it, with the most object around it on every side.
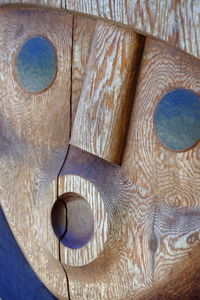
(17, 280)
(177, 119)
(36, 64)
(76, 241)
(80, 222)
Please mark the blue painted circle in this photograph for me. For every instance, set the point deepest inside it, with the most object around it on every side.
(36, 64)
(177, 119)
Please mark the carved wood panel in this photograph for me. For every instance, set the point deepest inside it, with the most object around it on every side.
(105, 144)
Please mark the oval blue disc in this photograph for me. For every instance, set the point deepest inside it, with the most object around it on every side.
(36, 64)
(177, 119)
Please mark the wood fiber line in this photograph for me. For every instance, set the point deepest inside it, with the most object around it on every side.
(171, 177)
(103, 112)
(34, 134)
(175, 22)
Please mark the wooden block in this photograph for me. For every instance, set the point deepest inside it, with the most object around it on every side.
(83, 31)
(34, 134)
(102, 116)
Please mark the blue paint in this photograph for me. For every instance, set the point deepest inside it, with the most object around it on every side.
(17, 279)
(36, 64)
(76, 241)
(177, 119)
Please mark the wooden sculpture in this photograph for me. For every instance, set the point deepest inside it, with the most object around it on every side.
(100, 147)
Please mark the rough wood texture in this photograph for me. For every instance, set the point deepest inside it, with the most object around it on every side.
(102, 116)
(152, 202)
(87, 190)
(123, 270)
(34, 135)
(147, 246)
(172, 178)
(175, 22)
(83, 31)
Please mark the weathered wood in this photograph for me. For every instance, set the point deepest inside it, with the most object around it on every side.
(123, 270)
(171, 177)
(103, 112)
(95, 246)
(152, 202)
(34, 135)
(149, 247)
(175, 22)
(83, 31)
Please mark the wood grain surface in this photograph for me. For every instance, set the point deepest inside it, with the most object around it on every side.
(147, 212)
(105, 103)
(89, 192)
(34, 136)
(175, 22)
(152, 202)
(171, 177)
(83, 31)
(123, 270)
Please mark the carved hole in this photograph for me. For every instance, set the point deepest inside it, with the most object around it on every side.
(72, 220)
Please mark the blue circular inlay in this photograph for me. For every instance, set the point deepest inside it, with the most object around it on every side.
(177, 119)
(36, 64)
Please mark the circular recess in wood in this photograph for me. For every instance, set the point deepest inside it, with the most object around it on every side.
(36, 64)
(59, 218)
(72, 220)
(96, 245)
(177, 119)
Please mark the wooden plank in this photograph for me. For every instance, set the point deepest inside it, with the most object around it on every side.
(102, 116)
(34, 136)
(171, 177)
(17, 280)
(82, 38)
(175, 22)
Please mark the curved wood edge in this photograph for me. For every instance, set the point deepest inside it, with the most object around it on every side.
(30, 163)
(174, 22)
(17, 280)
